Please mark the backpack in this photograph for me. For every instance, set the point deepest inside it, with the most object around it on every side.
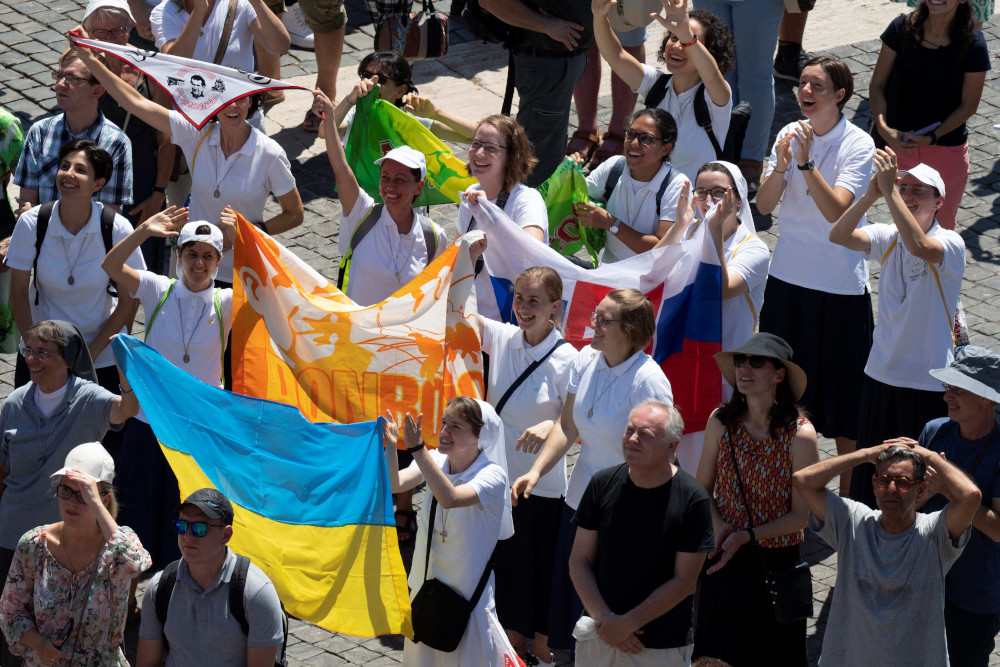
(615, 174)
(739, 118)
(237, 583)
(484, 25)
(45, 213)
(366, 225)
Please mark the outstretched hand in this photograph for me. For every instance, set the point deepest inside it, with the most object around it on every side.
(675, 19)
(167, 222)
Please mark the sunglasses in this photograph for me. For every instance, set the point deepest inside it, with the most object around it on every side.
(756, 361)
(198, 528)
(903, 483)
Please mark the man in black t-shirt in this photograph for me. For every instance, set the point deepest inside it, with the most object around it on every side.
(644, 529)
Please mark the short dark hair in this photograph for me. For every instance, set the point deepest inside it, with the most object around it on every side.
(469, 410)
(839, 73)
(907, 454)
(665, 124)
(48, 331)
(199, 77)
(395, 67)
(716, 37)
(99, 159)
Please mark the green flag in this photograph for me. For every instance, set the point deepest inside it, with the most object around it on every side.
(564, 187)
(378, 128)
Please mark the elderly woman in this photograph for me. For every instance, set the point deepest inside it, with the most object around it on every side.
(68, 583)
(607, 380)
(61, 407)
(232, 164)
(753, 444)
(469, 511)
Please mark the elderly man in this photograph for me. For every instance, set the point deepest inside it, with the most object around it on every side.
(77, 94)
(644, 529)
(891, 562)
(968, 437)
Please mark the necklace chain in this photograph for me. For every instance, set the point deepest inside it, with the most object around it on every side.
(186, 341)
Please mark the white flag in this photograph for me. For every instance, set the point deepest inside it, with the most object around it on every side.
(199, 89)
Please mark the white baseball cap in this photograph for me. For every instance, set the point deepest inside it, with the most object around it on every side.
(94, 5)
(408, 157)
(199, 230)
(628, 15)
(91, 458)
(928, 176)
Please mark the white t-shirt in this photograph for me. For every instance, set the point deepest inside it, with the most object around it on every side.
(383, 254)
(747, 256)
(693, 147)
(187, 319)
(804, 255)
(244, 180)
(524, 206)
(168, 20)
(540, 396)
(85, 303)
(915, 324)
(634, 203)
(48, 403)
(604, 398)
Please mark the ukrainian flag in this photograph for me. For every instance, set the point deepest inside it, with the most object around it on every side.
(312, 501)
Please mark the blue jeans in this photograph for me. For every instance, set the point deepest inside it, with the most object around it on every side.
(755, 26)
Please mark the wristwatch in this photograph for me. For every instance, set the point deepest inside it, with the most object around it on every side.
(615, 226)
(808, 166)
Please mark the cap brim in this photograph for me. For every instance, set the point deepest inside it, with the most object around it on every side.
(796, 376)
(206, 509)
(956, 378)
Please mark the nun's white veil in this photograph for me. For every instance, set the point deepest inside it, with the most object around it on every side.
(491, 442)
(744, 214)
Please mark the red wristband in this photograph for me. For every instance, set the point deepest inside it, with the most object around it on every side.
(694, 38)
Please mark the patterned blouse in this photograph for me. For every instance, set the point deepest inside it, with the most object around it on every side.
(766, 471)
(42, 594)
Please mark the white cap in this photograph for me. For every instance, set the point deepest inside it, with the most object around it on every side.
(631, 14)
(94, 5)
(928, 176)
(408, 157)
(199, 230)
(91, 458)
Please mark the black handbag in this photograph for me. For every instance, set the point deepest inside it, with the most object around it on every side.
(789, 590)
(440, 613)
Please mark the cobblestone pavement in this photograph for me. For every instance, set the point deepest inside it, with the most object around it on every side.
(469, 79)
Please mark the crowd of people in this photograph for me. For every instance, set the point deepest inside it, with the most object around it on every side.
(660, 547)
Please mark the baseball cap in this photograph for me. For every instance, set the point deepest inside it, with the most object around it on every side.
(199, 230)
(928, 176)
(91, 458)
(94, 5)
(408, 157)
(212, 503)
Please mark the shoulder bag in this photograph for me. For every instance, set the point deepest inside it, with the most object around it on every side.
(419, 35)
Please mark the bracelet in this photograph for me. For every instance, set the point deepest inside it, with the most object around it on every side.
(161, 190)
(780, 172)
(417, 448)
(128, 391)
(694, 38)
(753, 538)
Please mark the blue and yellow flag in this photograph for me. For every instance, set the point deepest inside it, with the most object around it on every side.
(313, 502)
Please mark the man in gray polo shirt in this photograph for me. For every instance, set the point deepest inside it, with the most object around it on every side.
(200, 628)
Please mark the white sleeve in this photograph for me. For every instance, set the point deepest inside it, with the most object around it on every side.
(184, 134)
(166, 22)
(854, 163)
(668, 204)
(21, 252)
(649, 77)
(279, 177)
(598, 179)
(529, 210)
(349, 220)
(880, 237)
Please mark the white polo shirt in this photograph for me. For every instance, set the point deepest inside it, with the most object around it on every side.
(540, 396)
(383, 253)
(634, 203)
(604, 398)
(524, 206)
(915, 318)
(187, 319)
(168, 20)
(804, 255)
(693, 147)
(86, 303)
(245, 179)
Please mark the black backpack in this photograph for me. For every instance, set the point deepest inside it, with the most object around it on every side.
(739, 118)
(615, 174)
(484, 25)
(107, 226)
(237, 583)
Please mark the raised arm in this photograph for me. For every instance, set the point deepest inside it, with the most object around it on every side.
(447, 126)
(962, 493)
(845, 231)
(916, 241)
(622, 63)
(163, 224)
(347, 184)
(126, 405)
(184, 44)
(831, 201)
(811, 481)
(268, 30)
(448, 495)
(677, 21)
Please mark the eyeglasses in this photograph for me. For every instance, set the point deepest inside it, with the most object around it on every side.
(58, 75)
(600, 322)
(958, 391)
(120, 31)
(714, 193)
(198, 528)
(756, 361)
(37, 352)
(915, 190)
(66, 493)
(644, 138)
(903, 483)
(489, 148)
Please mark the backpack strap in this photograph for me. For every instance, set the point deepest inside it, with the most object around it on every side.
(156, 311)
(237, 583)
(704, 118)
(658, 90)
(44, 213)
(161, 602)
(430, 237)
(664, 184)
(107, 227)
(227, 30)
(614, 175)
(367, 224)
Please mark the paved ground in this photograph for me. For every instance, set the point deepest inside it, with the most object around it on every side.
(470, 81)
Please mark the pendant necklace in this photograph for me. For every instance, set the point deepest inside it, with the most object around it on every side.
(187, 343)
(218, 185)
(395, 257)
(593, 404)
(72, 266)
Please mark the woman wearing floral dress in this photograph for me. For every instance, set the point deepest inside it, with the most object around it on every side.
(65, 602)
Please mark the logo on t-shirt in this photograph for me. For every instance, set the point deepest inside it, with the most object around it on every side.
(918, 271)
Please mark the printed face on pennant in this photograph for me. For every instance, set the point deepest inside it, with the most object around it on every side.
(195, 89)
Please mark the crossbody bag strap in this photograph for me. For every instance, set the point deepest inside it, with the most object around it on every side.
(948, 315)
(227, 30)
(482, 581)
(430, 534)
(524, 376)
(746, 505)
(427, 559)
